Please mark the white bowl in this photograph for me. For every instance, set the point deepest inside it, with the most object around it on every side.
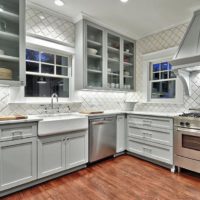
(92, 51)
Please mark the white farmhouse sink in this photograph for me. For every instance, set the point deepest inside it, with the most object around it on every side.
(61, 123)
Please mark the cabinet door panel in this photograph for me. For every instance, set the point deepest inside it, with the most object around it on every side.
(51, 158)
(121, 144)
(17, 162)
(77, 150)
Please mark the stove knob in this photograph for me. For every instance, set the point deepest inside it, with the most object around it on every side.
(187, 124)
(182, 123)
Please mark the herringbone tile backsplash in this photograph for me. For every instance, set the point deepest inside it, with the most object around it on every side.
(61, 30)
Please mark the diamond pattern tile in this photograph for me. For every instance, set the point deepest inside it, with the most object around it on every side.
(40, 23)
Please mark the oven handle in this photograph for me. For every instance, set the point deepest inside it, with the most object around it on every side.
(188, 130)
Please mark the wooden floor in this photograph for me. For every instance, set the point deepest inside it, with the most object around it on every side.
(123, 178)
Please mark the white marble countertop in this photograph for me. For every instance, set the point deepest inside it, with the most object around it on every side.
(20, 121)
(107, 112)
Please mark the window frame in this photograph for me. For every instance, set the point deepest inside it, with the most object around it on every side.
(158, 57)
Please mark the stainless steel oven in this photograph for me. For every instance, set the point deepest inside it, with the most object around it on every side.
(187, 141)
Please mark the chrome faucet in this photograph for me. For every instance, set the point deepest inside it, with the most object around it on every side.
(52, 96)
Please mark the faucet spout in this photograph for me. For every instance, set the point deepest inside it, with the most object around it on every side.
(52, 97)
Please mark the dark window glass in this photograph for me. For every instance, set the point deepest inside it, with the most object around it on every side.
(62, 71)
(49, 69)
(32, 55)
(156, 67)
(172, 75)
(32, 67)
(165, 89)
(170, 66)
(60, 60)
(164, 75)
(156, 76)
(164, 66)
(47, 58)
(37, 86)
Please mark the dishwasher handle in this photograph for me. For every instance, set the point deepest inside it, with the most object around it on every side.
(101, 122)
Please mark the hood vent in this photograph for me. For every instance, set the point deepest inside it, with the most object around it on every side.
(188, 55)
(187, 59)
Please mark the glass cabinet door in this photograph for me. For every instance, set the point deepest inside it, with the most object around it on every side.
(128, 65)
(113, 65)
(94, 57)
(9, 40)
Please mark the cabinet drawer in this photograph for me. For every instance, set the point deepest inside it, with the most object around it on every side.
(161, 137)
(153, 123)
(18, 131)
(149, 150)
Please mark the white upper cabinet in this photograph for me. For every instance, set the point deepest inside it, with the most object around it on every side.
(12, 42)
(104, 59)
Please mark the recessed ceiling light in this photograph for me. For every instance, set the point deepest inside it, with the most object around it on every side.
(59, 2)
(42, 17)
(124, 1)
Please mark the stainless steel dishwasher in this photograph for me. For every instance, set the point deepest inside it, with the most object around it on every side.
(102, 137)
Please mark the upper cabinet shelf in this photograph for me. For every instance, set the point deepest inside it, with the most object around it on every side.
(9, 15)
(105, 60)
(12, 42)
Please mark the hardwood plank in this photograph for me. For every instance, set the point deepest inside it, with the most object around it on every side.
(122, 178)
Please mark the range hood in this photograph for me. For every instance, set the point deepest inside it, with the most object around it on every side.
(187, 58)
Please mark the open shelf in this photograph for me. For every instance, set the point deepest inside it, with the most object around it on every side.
(9, 58)
(94, 43)
(94, 56)
(113, 60)
(128, 64)
(113, 74)
(8, 36)
(95, 71)
(113, 49)
(9, 15)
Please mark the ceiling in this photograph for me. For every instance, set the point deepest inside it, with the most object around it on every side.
(136, 19)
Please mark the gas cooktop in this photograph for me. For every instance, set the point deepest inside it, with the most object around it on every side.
(195, 115)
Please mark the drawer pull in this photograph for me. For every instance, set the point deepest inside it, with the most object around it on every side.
(17, 134)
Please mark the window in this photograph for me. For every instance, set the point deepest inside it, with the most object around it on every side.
(47, 73)
(162, 81)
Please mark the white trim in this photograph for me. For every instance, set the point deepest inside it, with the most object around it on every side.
(32, 42)
(158, 56)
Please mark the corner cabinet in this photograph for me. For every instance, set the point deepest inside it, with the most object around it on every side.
(12, 42)
(104, 59)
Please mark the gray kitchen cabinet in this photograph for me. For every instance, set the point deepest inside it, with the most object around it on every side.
(59, 153)
(104, 59)
(51, 155)
(121, 133)
(12, 42)
(151, 137)
(18, 162)
(76, 150)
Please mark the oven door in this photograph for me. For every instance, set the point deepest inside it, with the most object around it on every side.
(187, 143)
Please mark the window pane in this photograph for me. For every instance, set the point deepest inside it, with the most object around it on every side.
(60, 60)
(170, 66)
(164, 66)
(37, 86)
(156, 67)
(172, 75)
(48, 58)
(164, 75)
(49, 69)
(32, 55)
(156, 76)
(164, 89)
(62, 71)
(32, 67)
